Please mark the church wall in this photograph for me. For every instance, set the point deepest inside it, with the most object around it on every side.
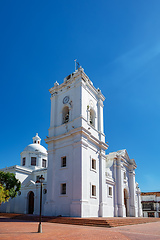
(90, 178)
(69, 175)
(15, 205)
(63, 176)
(79, 157)
(109, 200)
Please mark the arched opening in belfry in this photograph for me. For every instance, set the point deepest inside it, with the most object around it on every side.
(65, 114)
(126, 203)
(30, 202)
(92, 117)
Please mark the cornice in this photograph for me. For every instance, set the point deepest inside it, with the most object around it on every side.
(79, 75)
(123, 157)
(18, 168)
(82, 131)
(110, 181)
(40, 170)
(35, 152)
(80, 117)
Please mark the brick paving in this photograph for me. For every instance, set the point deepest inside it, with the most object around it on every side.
(148, 231)
(28, 230)
(20, 229)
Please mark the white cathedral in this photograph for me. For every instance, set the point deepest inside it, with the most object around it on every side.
(80, 179)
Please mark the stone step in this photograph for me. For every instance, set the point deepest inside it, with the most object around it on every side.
(101, 222)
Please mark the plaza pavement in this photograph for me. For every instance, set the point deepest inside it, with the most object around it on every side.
(19, 230)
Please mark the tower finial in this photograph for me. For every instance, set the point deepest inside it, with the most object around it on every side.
(36, 139)
(77, 65)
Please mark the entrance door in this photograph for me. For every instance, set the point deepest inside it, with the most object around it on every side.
(30, 202)
(126, 201)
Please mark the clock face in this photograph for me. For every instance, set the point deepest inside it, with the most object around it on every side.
(65, 99)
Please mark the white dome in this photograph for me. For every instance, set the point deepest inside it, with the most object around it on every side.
(34, 147)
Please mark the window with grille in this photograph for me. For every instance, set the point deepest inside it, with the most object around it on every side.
(63, 188)
(24, 161)
(44, 163)
(33, 161)
(94, 164)
(110, 191)
(93, 190)
(63, 161)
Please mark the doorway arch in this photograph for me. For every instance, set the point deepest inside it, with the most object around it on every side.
(30, 202)
(126, 203)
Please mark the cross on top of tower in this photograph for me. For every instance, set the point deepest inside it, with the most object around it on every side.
(77, 65)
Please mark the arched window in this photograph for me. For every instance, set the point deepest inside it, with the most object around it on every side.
(92, 117)
(65, 115)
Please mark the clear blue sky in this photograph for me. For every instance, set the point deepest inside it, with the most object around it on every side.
(118, 45)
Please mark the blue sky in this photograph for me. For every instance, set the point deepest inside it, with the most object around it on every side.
(118, 45)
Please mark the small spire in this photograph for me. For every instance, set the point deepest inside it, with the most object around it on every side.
(36, 139)
(77, 65)
(56, 84)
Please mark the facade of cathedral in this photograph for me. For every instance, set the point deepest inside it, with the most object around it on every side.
(83, 181)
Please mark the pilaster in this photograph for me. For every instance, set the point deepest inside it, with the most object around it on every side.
(120, 201)
(132, 192)
(102, 185)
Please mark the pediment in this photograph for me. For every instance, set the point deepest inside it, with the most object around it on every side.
(126, 158)
(30, 183)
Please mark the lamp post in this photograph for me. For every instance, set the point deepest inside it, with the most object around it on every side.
(41, 179)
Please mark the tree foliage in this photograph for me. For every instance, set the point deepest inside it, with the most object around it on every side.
(9, 186)
(4, 194)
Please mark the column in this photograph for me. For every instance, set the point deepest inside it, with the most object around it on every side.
(132, 187)
(100, 116)
(102, 184)
(119, 189)
(49, 208)
(115, 189)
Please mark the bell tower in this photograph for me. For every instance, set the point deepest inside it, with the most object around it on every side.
(76, 149)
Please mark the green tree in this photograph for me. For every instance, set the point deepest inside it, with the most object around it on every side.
(9, 186)
(4, 194)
